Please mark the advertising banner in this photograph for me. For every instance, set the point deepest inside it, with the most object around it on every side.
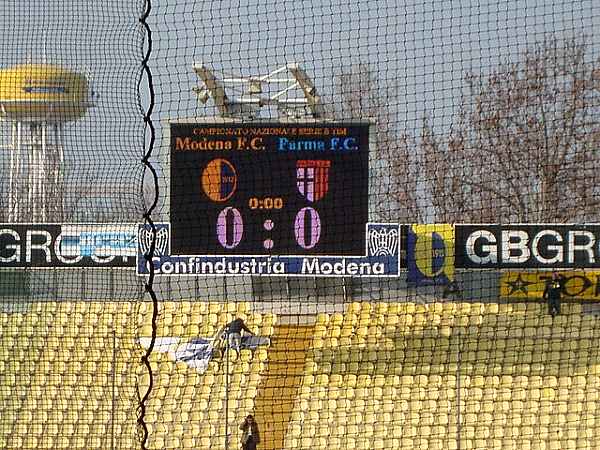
(528, 246)
(430, 254)
(67, 245)
(382, 259)
(577, 284)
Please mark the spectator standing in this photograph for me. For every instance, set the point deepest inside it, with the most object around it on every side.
(452, 291)
(250, 435)
(553, 293)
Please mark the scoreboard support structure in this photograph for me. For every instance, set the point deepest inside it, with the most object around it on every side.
(282, 196)
(247, 106)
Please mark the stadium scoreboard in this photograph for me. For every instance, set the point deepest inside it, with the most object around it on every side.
(269, 188)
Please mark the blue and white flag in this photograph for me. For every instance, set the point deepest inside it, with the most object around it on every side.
(197, 352)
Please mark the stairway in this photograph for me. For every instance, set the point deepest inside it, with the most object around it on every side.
(284, 373)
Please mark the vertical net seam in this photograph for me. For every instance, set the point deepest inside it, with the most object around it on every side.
(149, 127)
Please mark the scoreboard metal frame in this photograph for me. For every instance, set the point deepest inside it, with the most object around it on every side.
(287, 194)
(269, 188)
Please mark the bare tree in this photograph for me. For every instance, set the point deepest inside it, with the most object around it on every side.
(109, 201)
(393, 183)
(444, 171)
(525, 145)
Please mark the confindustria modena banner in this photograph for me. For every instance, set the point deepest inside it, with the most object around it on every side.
(380, 258)
(576, 284)
(527, 246)
(68, 245)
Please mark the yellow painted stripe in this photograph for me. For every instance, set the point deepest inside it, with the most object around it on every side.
(277, 392)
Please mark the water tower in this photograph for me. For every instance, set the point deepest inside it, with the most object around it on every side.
(37, 100)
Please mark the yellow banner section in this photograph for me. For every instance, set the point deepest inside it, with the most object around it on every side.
(431, 248)
(577, 284)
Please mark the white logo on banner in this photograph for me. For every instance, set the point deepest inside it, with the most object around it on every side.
(162, 240)
(383, 241)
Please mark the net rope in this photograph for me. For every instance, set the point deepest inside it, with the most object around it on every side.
(389, 195)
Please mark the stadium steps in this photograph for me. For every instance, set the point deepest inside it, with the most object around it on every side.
(186, 409)
(279, 387)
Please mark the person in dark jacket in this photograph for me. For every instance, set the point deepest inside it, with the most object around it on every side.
(234, 333)
(553, 293)
(452, 291)
(250, 435)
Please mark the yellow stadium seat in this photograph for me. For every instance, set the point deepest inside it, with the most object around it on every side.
(406, 308)
(572, 308)
(322, 319)
(353, 308)
(538, 444)
(335, 319)
(205, 442)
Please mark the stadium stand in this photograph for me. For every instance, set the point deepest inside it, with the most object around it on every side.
(379, 375)
(68, 382)
(448, 376)
(327, 171)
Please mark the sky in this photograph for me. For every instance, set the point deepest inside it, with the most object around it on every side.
(422, 48)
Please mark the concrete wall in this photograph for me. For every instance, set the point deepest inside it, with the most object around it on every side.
(123, 284)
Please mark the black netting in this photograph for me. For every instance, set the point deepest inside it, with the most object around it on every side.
(398, 200)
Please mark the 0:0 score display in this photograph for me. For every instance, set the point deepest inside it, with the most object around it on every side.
(265, 203)
(298, 194)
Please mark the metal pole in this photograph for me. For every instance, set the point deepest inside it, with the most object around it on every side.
(31, 175)
(42, 172)
(60, 171)
(227, 393)
(22, 161)
(12, 173)
(111, 283)
(458, 360)
(55, 284)
(112, 418)
(345, 288)
(83, 283)
(24, 164)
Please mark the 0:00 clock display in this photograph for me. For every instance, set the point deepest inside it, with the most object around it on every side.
(230, 228)
(265, 203)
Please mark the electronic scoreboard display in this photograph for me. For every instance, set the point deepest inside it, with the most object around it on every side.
(269, 188)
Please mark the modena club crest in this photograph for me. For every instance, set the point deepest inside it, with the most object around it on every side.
(219, 180)
(430, 254)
